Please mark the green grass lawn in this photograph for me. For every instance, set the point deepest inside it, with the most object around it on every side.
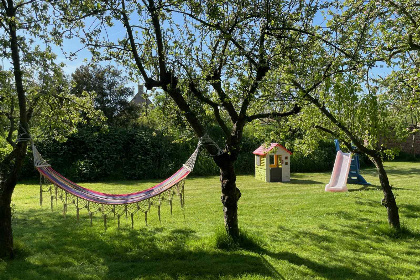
(300, 231)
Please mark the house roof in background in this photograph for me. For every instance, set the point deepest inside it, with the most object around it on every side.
(141, 98)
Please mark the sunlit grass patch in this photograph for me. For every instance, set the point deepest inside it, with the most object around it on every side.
(291, 230)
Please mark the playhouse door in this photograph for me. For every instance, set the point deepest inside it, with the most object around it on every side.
(276, 175)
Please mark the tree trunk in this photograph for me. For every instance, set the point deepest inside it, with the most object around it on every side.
(6, 236)
(9, 170)
(12, 164)
(230, 194)
(389, 199)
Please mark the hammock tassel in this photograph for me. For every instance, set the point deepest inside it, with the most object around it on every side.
(118, 217)
(52, 202)
(90, 216)
(77, 209)
(170, 203)
(40, 190)
(105, 222)
(159, 212)
(181, 197)
(64, 210)
(132, 220)
(145, 217)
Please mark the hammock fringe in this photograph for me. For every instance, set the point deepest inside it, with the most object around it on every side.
(71, 194)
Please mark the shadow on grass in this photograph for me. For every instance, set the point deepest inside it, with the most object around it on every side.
(356, 188)
(299, 178)
(294, 181)
(52, 248)
(331, 246)
(326, 270)
(410, 211)
(398, 171)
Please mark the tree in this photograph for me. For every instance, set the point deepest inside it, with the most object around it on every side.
(107, 84)
(334, 77)
(34, 92)
(398, 46)
(210, 58)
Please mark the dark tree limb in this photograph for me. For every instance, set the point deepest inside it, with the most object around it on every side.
(149, 83)
(296, 109)
(346, 143)
(214, 105)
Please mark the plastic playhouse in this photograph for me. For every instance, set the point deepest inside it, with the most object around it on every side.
(272, 163)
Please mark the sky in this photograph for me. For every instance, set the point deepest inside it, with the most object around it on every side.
(83, 55)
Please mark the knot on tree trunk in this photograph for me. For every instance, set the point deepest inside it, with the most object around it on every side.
(232, 198)
(383, 202)
(388, 201)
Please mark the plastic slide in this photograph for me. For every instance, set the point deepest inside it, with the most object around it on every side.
(338, 181)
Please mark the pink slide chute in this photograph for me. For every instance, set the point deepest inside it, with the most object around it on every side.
(338, 181)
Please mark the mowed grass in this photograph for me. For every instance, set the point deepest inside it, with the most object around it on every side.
(294, 230)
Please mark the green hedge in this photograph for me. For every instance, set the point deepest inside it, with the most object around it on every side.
(142, 153)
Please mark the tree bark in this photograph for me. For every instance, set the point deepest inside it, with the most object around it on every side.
(6, 234)
(12, 164)
(389, 199)
(9, 171)
(230, 194)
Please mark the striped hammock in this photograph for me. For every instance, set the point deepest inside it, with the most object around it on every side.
(70, 193)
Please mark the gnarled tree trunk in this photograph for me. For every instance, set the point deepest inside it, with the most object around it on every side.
(230, 194)
(9, 170)
(12, 164)
(6, 235)
(389, 199)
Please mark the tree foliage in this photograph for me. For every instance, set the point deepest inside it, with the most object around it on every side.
(107, 86)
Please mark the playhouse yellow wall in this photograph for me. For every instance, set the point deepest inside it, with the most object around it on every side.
(260, 170)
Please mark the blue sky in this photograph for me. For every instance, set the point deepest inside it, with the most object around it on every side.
(83, 55)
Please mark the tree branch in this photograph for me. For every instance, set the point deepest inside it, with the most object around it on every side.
(262, 69)
(412, 45)
(296, 109)
(313, 100)
(310, 34)
(348, 144)
(23, 4)
(224, 99)
(403, 11)
(224, 32)
(214, 105)
(149, 83)
(12, 124)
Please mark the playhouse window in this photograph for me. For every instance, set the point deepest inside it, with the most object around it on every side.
(258, 160)
(274, 160)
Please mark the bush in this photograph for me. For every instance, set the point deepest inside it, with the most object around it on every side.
(94, 154)
(118, 154)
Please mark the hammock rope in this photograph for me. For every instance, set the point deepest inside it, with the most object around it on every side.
(71, 194)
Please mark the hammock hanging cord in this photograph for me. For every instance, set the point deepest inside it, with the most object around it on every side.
(68, 186)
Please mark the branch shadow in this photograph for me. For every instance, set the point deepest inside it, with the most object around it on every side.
(55, 250)
(294, 181)
(362, 188)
